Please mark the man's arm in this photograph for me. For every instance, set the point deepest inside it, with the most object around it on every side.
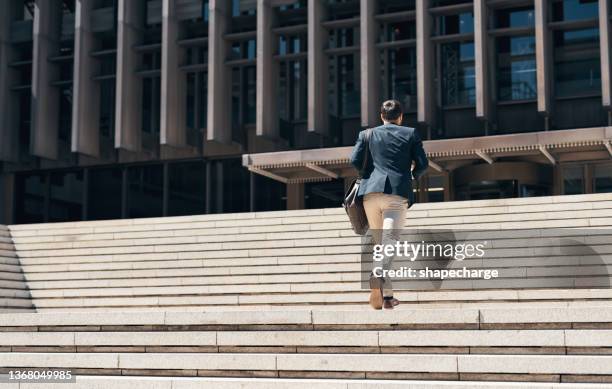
(358, 153)
(418, 156)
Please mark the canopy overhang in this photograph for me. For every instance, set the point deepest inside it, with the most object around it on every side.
(551, 147)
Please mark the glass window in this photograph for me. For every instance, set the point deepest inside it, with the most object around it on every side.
(323, 194)
(388, 6)
(435, 188)
(30, 198)
(515, 17)
(577, 64)
(456, 24)
(348, 79)
(402, 76)
(343, 37)
(66, 196)
(107, 108)
(566, 10)
(145, 189)
(398, 31)
(517, 68)
(573, 180)
(65, 114)
(458, 77)
(186, 188)
(104, 194)
(602, 178)
(151, 99)
(243, 8)
(244, 50)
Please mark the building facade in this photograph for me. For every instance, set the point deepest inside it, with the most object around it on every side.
(144, 108)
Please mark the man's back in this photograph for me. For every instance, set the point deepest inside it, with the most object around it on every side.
(392, 149)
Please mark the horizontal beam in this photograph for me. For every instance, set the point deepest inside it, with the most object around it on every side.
(268, 174)
(322, 170)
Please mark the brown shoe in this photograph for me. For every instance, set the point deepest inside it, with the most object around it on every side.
(376, 294)
(389, 303)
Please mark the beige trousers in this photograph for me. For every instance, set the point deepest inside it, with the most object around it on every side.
(386, 215)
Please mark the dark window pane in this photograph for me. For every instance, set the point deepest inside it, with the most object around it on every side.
(402, 76)
(458, 77)
(66, 196)
(573, 180)
(602, 178)
(145, 191)
(456, 24)
(323, 194)
(401, 31)
(515, 17)
(517, 68)
(104, 194)
(30, 198)
(186, 191)
(565, 10)
(435, 190)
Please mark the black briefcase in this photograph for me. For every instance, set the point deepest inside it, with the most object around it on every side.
(352, 204)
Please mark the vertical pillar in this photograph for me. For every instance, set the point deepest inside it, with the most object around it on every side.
(604, 48)
(219, 125)
(543, 56)
(173, 81)
(9, 126)
(481, 54)
(295, 196)
(45, 98)
(318, 72)
(425, 63)
(128, 123)
(370, 65)
(267, 72)
(85, 91)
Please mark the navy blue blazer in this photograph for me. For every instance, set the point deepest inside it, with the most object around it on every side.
(392, 149)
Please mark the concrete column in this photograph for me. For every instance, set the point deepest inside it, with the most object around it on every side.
(604, 48)
(267, 72)
(425, 64)
(128, 123)
(45, 98)
(295, 196)
(543, 56)
(85, 91)
(481, 46)
(9, 126)
(318, 69)
(219, 125)
(370, 65)
(173, 81)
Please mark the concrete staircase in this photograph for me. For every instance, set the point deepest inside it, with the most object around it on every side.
(14, 294)
(273, 300)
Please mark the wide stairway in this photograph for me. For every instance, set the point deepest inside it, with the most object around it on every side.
(274, 300)
(14, 295)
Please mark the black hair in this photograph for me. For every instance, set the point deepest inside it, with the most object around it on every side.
(391, 110)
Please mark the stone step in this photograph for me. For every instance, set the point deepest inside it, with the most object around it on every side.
(288, 222)
(146, 382)
(580, 368)
(157, 299)
(333, 341)
(335, 318)
(538, 204)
